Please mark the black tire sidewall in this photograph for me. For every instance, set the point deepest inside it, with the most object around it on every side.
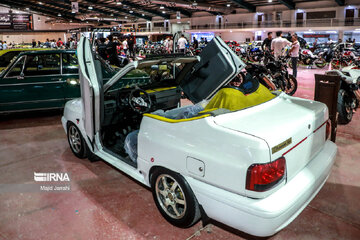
(192, 208)
(291, 77)
(341, 107)
(83, 152)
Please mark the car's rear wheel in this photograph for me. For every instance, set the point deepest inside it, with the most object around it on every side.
(174, 198)
(76, 141)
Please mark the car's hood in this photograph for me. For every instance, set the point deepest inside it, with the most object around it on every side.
(218, 65)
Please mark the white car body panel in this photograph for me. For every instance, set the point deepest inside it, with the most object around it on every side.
(214, 153)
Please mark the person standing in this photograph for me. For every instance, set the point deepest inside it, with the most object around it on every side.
(125, 46)
(294, 53)
(171, 45)
(60, 43)
(4, 45)
(182, 44)
(195, 43)
(131, 46)
(266, 45)
(111, 51)
(102, 48)
(278, 44)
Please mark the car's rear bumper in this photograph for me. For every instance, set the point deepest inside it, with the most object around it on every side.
(265, 217)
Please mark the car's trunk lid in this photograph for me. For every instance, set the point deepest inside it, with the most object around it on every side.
(289, 125)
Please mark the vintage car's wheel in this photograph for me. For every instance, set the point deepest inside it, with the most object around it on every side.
(174, 198)
(76, 141)
(344, 107)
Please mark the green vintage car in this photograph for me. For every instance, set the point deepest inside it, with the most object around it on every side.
(43, 79)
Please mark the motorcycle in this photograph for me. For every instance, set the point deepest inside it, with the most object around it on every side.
(274, 75)
(306, 57)
(255, 54)
(349, 93)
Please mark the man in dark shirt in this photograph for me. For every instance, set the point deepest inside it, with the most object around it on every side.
(131, 44)
(195, 43)
(111, 51)
(266, 45)
(102, 48)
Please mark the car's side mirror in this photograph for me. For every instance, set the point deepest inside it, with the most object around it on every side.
(21, 76)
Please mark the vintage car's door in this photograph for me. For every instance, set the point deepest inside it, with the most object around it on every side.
(33, 82)
(218, 65)
(70, 75)
(91, 87)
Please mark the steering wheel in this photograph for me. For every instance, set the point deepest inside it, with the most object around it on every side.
(139, 101)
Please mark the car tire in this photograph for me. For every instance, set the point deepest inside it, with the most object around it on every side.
(345, 111)
(76, 141)
(174, 198)
(292, 82)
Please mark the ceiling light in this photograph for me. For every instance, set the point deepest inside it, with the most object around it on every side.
(40, 3)
(269, 0)
(131, 11)
(228, 5)
(59, 15)
(161, 7)
(142, 14)
(70, 20)
(163, 12)
(125, 16)
(194, 3)
(118, 3)
(90, 7)
(27, 9)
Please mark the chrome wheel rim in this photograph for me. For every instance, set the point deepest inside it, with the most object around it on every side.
(170, 196)
(74, 139)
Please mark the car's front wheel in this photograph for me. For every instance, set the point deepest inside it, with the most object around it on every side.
(76, 141)
(174, 198)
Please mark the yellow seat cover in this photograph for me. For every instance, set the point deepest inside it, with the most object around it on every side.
(235, 100)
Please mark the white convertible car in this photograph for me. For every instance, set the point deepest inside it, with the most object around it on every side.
(252, 160)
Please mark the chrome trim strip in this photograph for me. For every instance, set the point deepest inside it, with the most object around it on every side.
(34, 101)
(34, 83)
(29, 110)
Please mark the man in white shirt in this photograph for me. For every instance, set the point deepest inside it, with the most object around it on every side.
(278, 44)
(182, 44)
(294, 53)
(125, 46)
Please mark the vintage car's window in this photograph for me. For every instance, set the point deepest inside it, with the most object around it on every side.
(69, 63)
(136, 77)
(17, 68)
(42, 64)
(7, 57)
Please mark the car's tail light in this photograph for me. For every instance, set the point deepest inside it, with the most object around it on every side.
(262, 177)
(328, 130)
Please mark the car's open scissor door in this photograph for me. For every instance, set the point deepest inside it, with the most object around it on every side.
(218, 65)
(91, 87)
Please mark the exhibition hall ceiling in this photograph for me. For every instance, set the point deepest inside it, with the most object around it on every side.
(133, 10)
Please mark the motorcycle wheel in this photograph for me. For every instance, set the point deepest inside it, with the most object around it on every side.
(291, 85)
(344, 107)
(320, 63)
